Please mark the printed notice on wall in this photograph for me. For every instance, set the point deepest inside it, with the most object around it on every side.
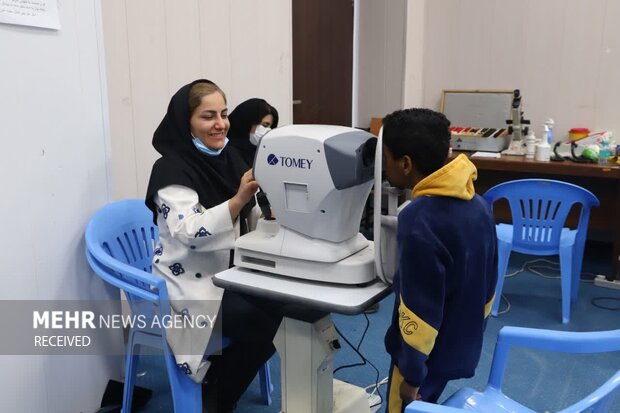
(36, 13)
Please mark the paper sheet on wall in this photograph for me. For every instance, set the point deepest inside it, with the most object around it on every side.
(36, 13)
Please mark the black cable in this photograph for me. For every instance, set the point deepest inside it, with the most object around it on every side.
(595, 299)
(355, 349)
(364, 332)
(361, 356)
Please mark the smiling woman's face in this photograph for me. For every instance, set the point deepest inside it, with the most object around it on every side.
(209, 121)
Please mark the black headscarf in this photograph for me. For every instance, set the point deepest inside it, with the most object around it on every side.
(215, 178)
(251, 112)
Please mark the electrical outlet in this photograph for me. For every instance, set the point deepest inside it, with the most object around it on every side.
(601, 281)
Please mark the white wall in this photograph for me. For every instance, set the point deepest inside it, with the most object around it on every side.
(54, 177)
(564, 55)
(561, 54)
(413, 85)
(153, 47)
(381, 71)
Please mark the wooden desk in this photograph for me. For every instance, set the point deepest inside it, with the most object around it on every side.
(602, 180)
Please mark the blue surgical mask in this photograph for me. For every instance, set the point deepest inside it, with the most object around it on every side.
(205, 149)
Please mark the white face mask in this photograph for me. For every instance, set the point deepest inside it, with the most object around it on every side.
(258, 134)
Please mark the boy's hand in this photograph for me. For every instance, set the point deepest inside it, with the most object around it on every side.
(408, 393)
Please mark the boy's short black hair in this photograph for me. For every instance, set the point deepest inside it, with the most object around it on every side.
(422, 134)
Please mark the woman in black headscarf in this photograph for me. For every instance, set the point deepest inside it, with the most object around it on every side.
(201, 193)
(248, 123)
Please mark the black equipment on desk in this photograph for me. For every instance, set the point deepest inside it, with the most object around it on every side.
(574, 157)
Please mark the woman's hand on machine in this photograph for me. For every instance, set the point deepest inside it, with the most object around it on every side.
(247, 188)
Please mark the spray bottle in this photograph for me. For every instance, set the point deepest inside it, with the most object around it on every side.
(549, 124)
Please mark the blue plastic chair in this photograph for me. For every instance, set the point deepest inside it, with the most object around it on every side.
(120, 239)
(492, 400)
(539, 208)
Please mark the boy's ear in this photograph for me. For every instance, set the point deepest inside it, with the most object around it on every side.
(406, 165)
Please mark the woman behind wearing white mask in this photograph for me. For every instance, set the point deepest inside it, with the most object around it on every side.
(248, 123)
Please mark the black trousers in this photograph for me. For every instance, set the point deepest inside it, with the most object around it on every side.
(251, 323)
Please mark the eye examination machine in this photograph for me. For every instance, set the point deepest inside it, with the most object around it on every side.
(317, 179)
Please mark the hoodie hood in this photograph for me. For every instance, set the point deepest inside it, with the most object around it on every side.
(455, 179)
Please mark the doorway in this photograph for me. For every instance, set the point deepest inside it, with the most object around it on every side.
(322, 61)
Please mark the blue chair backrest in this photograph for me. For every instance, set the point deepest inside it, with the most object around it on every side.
(125, 230)
(560, 341)
(539, 208)
(120, 242)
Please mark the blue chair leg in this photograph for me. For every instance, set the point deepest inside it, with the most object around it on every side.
(186, 394)
(503, 256)
(131, 364)
(130, 382)
(131, 368)
(577, 264)
(266, 387)
(566, 266)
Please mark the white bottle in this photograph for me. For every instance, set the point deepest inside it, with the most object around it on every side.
(530, 145)
(543, 149)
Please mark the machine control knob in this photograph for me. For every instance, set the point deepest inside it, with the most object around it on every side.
(335, 344)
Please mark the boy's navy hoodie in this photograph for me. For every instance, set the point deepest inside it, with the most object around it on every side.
(445, 283)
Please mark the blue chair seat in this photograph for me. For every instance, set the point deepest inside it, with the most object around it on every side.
(490, 400)
(504, 234)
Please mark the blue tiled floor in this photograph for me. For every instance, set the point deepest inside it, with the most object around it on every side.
(543, 381)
